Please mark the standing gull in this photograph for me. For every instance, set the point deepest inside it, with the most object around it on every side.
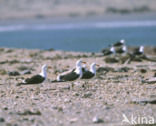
(87, 74)
(139, 51)
(121, 50)
(72, 74)
(37, 79)
(84, 68)
(119, 43)
(108, 51)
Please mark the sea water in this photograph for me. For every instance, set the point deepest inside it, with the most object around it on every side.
(86, 36)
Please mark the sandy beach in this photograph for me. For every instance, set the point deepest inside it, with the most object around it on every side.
(117, 89)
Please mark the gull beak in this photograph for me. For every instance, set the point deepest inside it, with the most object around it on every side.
(49, 67)
(98, 65)
(84, 62)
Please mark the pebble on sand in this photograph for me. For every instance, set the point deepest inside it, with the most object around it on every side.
(97, 120)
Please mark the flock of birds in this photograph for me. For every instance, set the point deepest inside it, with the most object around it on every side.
(120, 48)
(80, 71)
(121, 53)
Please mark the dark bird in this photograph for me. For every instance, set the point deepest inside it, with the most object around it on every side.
(138, 51)
(72, 74)
(119, 43)
(121, 50)
(37, 79)
(87, 74)
(108, 51)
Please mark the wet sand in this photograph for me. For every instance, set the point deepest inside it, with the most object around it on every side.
(116, 90)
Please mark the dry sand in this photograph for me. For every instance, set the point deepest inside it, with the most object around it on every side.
(19, 9)
(116, 90)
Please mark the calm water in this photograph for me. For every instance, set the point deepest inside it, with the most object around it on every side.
(90, 36)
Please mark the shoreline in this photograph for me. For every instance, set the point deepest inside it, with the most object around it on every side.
(150, 50)
(106, 17)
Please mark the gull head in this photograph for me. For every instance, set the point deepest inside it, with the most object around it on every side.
(122, 41)
(44, 67)
(112, 49)
(44, 71)
(141, 49)
(79, 63)
(93, 68)
(124, 48)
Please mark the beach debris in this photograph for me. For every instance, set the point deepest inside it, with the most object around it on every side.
(73, 120)
(4, 62)
(2, 119)
(123, 69)
(58, 108)
(143, 70)
(29, 112)
(144, 101)
(105, 69)
(2, 49)
(3, 72)
(5, 108)
(152, 59)
(136, 58)
(22, 68)
(13, 61)
(87, 95)
(150, 80)
(111, 60)
(97, 120)
(25, 72)
(10, 62)
(124, 59)
(13, 73)
(9, 50)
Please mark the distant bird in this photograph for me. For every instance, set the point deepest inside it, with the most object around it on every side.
(108, 51)
(72, 74)
(139, 50)
(37, 79)
(87, 74)
(121, 50)
(119, 43)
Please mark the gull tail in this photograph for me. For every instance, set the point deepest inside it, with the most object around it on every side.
(56, 81)
(21, 83)
(18, 84)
